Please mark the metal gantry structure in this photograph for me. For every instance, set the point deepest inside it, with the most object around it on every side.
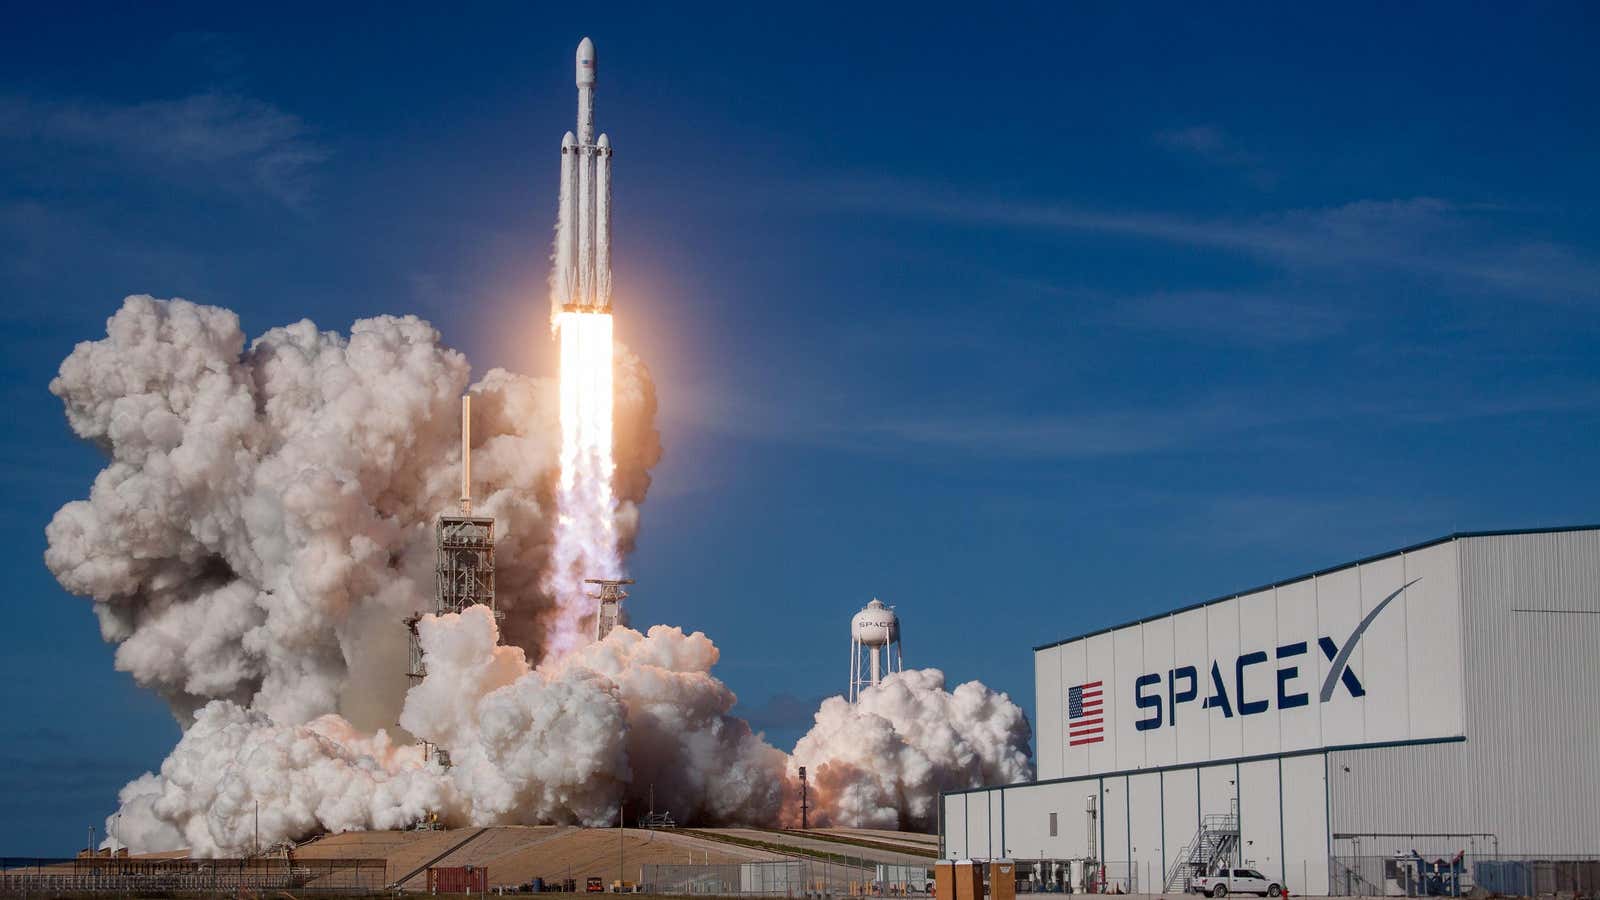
(465, 563)
(464, 570)
(610, 596)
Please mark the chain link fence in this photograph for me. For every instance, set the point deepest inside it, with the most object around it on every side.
(1464, 874)
(145, 877)
(1352, 876)
(1122, 877)
(837, 876)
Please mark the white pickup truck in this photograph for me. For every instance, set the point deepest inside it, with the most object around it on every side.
(1235, 881)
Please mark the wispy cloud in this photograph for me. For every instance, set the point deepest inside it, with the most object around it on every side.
(1245, 317)
(1202, 140)
(1212, 145)
(235, 140)
(1086, 434)
(1216, 419)
(1231, 521)
(1420, 236)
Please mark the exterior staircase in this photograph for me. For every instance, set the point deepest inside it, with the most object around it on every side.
(1349, 880)
(1215, 843)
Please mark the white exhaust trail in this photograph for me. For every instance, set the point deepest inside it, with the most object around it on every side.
(586, 507)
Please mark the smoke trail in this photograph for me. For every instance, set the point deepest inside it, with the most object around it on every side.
(586, 509)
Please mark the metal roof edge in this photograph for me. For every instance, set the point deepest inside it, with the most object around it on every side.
(1456, 536)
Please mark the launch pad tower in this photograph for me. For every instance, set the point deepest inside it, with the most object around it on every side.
(464, 573)
(466, 562)
(465, 555)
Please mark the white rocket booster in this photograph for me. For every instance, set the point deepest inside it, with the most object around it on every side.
(566, 286)
(602, 222)
(583, 231)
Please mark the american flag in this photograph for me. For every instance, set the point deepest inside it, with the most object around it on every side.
(1085, 719)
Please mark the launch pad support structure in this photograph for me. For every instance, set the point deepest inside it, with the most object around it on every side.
(610, 596)
(464, 551)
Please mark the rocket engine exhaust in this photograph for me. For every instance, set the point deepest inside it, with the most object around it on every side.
(586, 506)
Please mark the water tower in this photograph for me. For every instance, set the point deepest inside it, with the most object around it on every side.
(874, 646)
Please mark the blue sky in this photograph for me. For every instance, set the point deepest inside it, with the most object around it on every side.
(1027, 321)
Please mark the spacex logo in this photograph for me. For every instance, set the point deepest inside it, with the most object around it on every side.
(1184, 684)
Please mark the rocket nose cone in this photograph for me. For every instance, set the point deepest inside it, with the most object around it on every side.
(585, 61)
(569, 140)
(605, 141)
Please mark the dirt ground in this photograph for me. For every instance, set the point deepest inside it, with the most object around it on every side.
(515, 855)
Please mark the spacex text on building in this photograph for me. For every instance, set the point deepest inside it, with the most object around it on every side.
(1183, 684)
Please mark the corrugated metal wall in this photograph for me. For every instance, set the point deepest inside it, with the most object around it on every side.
(1529, 770)
(1145, 820)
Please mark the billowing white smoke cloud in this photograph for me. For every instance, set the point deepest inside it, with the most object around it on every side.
(563, 744)
(526, 745)
(266, 508)
(234, 765)
(265, 521)
(565, 741)
(704, 764)
(882, 762)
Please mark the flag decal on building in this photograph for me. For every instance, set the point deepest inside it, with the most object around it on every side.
(1085, 719)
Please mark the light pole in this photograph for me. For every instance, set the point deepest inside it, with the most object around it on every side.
(805, 806)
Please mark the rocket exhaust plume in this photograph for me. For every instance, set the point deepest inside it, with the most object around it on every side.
(586, 508)
(580, 288)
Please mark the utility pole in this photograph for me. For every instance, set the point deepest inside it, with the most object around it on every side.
(622, 825)
(805, 807)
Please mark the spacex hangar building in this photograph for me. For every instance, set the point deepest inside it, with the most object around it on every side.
(1440, 698)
